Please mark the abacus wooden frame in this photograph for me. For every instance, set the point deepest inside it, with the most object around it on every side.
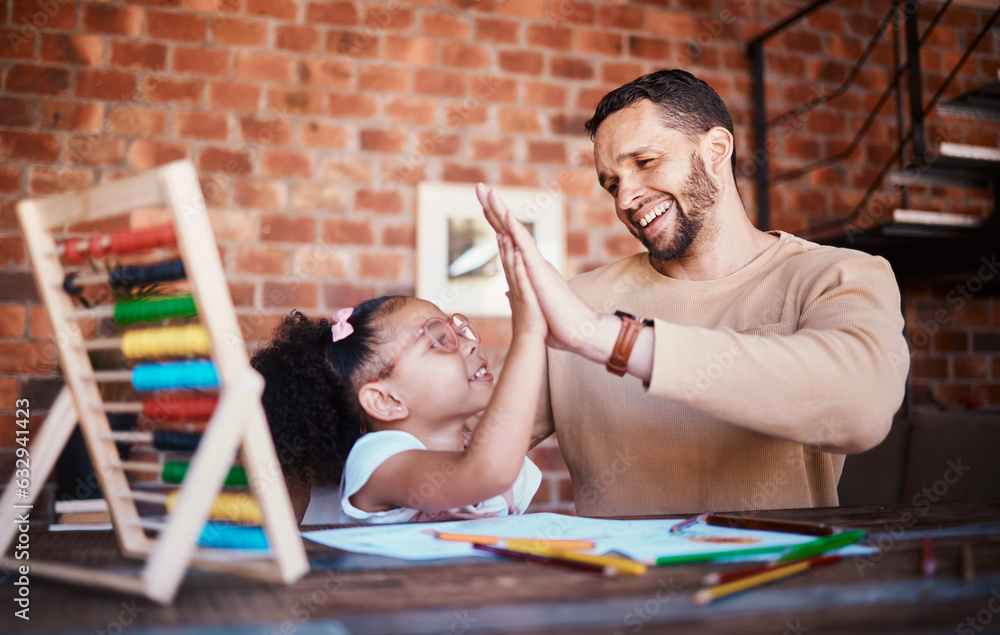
(238, 422)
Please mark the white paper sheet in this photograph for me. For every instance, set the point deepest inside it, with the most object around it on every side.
(651, 547)
(639, 539)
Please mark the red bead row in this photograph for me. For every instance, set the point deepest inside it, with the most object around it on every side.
(76, 250)
(179, 409)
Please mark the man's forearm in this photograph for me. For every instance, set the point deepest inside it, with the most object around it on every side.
(600, 345)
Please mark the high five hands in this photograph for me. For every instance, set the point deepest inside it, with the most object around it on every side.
(573, 325)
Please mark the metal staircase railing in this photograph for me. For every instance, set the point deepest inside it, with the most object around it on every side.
(956, 165)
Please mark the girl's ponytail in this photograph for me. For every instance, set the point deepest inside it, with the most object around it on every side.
(311, 387)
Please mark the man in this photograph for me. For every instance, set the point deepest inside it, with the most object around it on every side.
(757, 359)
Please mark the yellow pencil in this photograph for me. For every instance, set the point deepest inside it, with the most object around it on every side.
(729, 588)
(494, 540)
(510, 543)
(625, 566)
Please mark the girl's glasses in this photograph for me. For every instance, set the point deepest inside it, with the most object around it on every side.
(444, 336)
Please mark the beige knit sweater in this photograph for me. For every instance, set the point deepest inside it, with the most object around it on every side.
(762, 381)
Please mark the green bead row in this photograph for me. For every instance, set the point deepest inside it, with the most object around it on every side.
(131, 311)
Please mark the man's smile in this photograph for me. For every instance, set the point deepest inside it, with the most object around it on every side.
(657, 211)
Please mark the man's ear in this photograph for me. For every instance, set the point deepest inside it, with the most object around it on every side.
(720, 147)
(381, 403)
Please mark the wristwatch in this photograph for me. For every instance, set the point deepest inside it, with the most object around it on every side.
(631, 325)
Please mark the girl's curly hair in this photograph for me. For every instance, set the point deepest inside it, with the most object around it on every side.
(311, 387)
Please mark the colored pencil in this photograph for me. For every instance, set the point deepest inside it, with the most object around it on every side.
(719, 577)
(783, 553)
(691, 558)
(928, 563)
(750, 582)
(623, 565)
(965, 562)
(513, 543)
(767, 524)
(689, 522)
(821, 545)
(552, 562)
(496, 540)
(724, 539)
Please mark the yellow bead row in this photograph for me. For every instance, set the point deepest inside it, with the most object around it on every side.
(234, 508)
(169, 341)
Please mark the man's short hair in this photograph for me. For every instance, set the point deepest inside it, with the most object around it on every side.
(686, 103)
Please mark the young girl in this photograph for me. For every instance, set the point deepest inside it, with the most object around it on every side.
(377, 400)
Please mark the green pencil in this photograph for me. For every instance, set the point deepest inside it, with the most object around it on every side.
(821, 545)
(704, 557)
(784, 553)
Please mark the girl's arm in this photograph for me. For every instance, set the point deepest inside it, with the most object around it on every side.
(491, 462)
(503, 434)
(300, 494)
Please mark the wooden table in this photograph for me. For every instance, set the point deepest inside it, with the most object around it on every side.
(350, 593)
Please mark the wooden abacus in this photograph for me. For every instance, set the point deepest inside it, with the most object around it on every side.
(236, 424)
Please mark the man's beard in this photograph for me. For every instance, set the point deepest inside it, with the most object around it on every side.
(699, 191)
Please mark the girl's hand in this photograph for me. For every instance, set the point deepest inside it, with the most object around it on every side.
(526, 313)
(570, 320)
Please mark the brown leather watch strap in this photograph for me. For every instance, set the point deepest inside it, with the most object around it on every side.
(618, 362)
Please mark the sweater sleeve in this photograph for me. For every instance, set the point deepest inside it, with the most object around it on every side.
(832, 381)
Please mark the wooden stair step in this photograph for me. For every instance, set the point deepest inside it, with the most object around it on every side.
(931, 218)
(979, 153)
(981, 103)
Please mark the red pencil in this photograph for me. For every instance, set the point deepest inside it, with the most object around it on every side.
(721, 577)
(782, 571)
(928, 563)
(585, 567)
(767, 524)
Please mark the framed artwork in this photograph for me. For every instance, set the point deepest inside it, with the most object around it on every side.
(458, 263)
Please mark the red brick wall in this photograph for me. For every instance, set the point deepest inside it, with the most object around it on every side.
(310, 123)
(954, 336)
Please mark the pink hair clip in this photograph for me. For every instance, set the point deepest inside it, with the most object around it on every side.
(341, 327)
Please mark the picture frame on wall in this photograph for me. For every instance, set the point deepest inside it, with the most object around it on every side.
(458, 262)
